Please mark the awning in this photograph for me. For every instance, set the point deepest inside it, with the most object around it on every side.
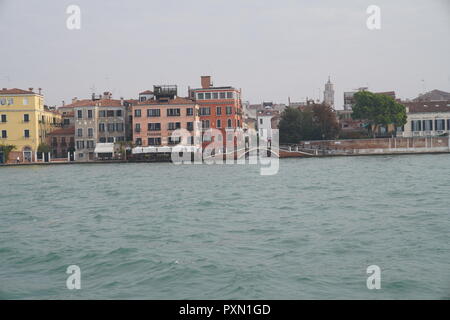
(104, 148)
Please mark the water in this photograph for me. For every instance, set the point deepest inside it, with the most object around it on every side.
(160, 231)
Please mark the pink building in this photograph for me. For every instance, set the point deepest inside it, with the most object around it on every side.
(155, 120)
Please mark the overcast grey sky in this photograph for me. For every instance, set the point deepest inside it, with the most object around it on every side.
(270, 49)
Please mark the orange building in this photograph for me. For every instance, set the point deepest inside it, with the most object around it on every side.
(220, 107)
(154, 120)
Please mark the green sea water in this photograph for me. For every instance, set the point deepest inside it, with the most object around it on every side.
(161, 231)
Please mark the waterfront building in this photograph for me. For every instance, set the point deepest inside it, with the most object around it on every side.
(328, 94)
(62, 143)
(267, 120)
(25, 122)
(100, 119)
(220, 107)
(156, 118)
(426, 118)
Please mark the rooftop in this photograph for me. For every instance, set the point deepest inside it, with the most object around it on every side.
(428, 106)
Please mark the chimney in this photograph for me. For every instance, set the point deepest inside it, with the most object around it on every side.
(63, 103)
(121, 101)
(4, 89)
(206, 82)
(74, 100)
(40, 90)
(30, 89)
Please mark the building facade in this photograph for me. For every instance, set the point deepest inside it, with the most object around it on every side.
(220, 107)
(25, 122)
(62, 143)
(98, 120)
(155, 119)
(426, 118)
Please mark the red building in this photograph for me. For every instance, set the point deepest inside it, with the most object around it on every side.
(220, 107)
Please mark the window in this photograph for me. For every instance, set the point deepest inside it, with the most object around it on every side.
(427, 125)
(205, 111)
(174, 140)
(80, 132)
(440, 124)
(153, 112)
(190, 126)
(229, 110)
(190, 111)
(218, 124)
(222, 95)
(89, 114)
(80, 155)
(110, 139)
(4, 134)
(215, 95)
(173, 112)
(154, 141)
(102, 139)
(90, 144)
(119, 127)
(25, 101)
(66, 122)
(80, 144)
(119, 113)
(229, 123)
(63, 141)
(239, 123)
(110, 127)
(80, 114)
(137, 112)
(10, 101)
(208, 96)
(174, 125)
(200, 96)
(260, 121)
(205, 124)
(90, 132)
(110, 113)
(101, 127)
(139, 141)
(218, 111)
(154, 127)
(4, 118)
(229, 95)
(102, 114)
(2, 101)
(416, 125)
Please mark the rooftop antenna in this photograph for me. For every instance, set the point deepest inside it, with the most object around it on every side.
(423, 86)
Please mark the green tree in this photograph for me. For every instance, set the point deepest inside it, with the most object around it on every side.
(43, 147)
(296, 125)
(325, 119)
(377, 110)
(6, 149)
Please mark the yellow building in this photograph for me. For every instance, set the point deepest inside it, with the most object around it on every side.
(24, 123)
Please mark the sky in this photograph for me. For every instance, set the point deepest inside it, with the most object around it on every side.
(272, 50)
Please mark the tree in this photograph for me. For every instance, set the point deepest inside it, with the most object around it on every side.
(377, 110)
(325, 119)
(296, 125)
(43, 147)
(6, 149)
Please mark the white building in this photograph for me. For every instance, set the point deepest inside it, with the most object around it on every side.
(426, 118)
(266, 121)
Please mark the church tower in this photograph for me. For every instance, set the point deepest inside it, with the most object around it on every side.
(328, 94)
